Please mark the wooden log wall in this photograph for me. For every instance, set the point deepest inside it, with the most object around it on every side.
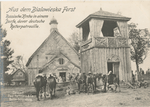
(95, 60)
(32, 72)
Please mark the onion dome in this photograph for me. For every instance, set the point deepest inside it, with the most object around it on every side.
(53, 21)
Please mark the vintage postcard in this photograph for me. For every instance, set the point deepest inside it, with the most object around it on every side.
(75, 54)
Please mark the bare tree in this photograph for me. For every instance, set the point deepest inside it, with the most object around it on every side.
(75, 41)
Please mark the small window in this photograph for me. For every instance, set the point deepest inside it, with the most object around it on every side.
(61, 61)
(46, 58)
(37, 57)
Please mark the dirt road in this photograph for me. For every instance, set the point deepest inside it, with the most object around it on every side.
(127, 97)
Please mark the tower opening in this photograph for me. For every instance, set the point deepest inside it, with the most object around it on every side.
(108, 28)
(86, 31)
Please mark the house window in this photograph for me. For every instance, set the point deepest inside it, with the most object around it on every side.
(61, 61)
(19, 74)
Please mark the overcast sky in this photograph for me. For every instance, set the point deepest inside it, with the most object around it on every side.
(26, 41)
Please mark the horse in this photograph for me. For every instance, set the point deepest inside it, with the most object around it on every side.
(81, 79)
(91, 81)
(110, 80)
(51, 84)
(39, 84)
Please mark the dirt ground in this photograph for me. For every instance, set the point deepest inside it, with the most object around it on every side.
(127, 97)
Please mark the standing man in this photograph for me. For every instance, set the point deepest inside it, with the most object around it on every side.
(133, 77)
(141, 71)
(110, 77)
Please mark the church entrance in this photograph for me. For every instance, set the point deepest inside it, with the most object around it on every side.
(110, 66)
(63, 75)
(114, 67)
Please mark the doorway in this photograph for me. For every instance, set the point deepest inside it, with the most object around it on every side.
(62, 74)
(110, 66)
(114, 67)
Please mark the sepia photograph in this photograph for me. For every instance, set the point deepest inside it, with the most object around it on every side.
(75, 53)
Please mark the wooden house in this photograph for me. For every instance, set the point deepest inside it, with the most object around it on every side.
(105, 44)
(55, 55)
(18, 76)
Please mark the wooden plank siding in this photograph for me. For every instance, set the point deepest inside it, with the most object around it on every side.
(95, 27)
(123, 27)
(53, 45)
(102, 48)
(96, 61)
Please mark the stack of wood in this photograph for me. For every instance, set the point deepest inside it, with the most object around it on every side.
(129, 84)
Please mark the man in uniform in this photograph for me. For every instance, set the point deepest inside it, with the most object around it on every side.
(40, 74)
(110, 78)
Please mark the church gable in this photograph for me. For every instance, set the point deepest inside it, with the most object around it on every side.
(40, 57)
(58, 43)
(60, 63)
(66, 48)
(48, 53)
(54, 44)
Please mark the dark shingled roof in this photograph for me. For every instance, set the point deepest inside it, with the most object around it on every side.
(104, 15)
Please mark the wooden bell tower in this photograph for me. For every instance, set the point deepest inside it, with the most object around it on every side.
(105, 44)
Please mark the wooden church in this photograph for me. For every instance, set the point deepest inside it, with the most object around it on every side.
(105, 44)
(55, 55)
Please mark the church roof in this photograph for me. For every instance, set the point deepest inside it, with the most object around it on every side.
(52, 33)
(104, 15)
